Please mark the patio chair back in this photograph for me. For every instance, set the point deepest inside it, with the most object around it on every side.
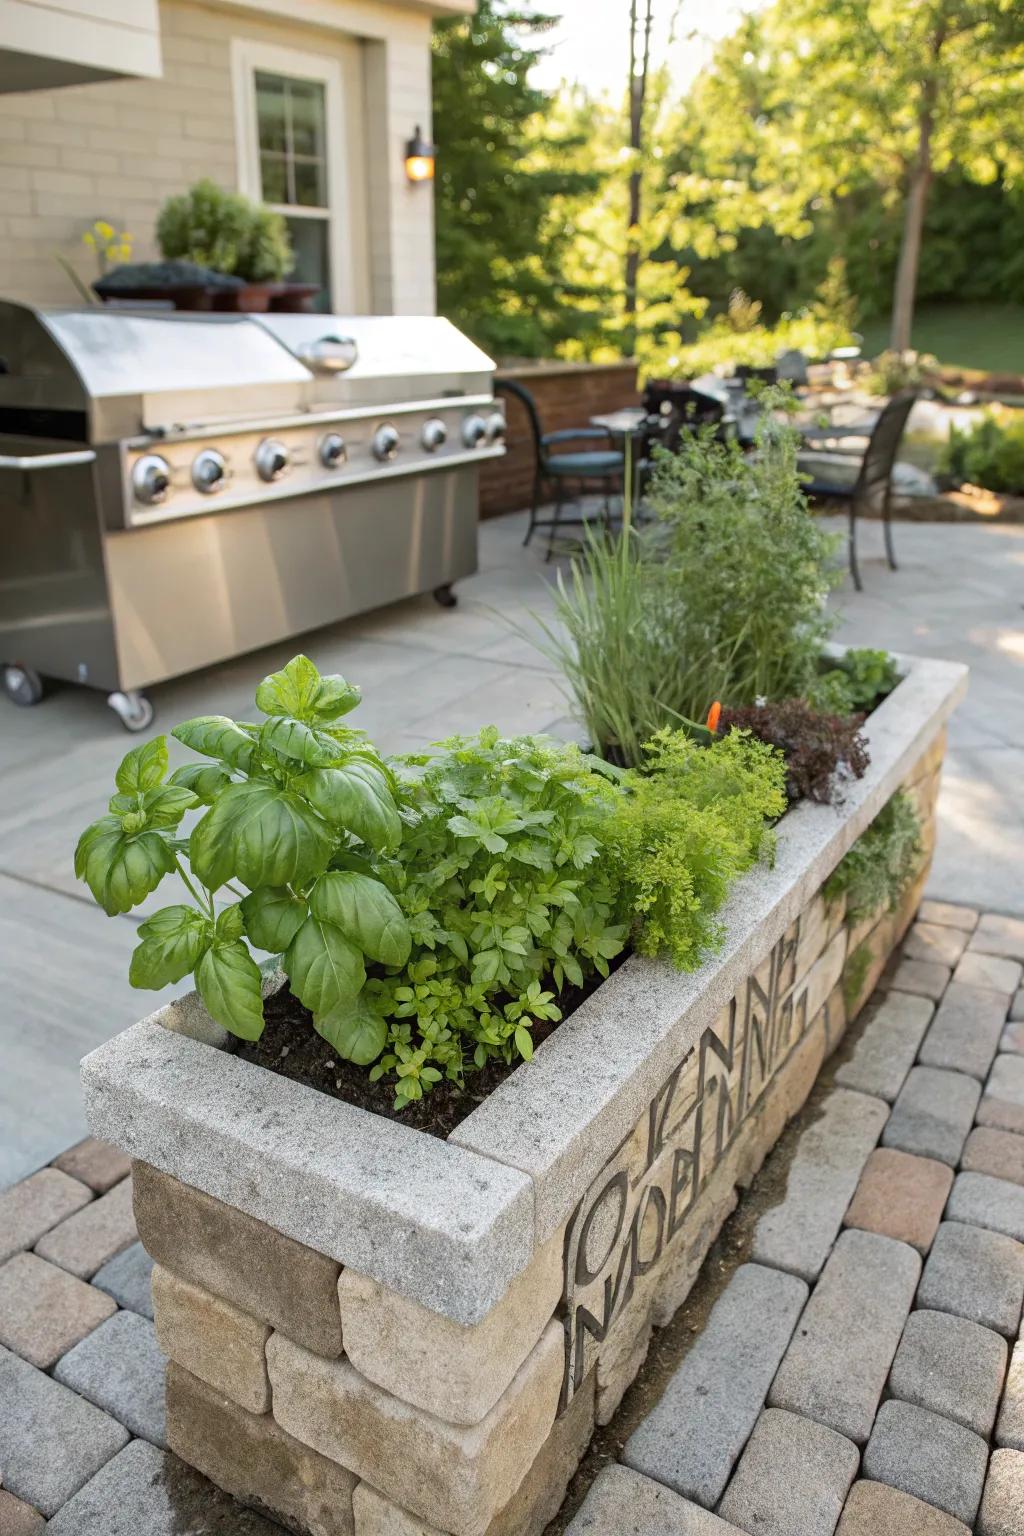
(522, 394)
(875, 478)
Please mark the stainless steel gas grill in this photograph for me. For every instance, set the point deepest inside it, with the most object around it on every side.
(178, 489)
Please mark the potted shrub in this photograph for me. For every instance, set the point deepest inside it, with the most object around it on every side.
(420, 1184)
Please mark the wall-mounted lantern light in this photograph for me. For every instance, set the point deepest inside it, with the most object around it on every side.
(419, 158)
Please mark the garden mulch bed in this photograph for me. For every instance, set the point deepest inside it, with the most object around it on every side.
(291, 1047)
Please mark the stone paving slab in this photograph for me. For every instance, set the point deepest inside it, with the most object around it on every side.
(120, 1368)
(948, 914)
(1017, 1006)
(887, 1046)
(95, 1163)
(928, 1456)
(1002, 1508)
(901, 1196)
(129, 1279)
(926, 977)
(85, 1241)
(51, 1440)
(146, 1492)
(30, 1208)
(964, 1035)
(987, 1202)
(1006, 1079)
(997, 1153)
(798, 1233)
(18, 1518)
(933, 1114)
(951, 1366)
(998, 935)
(691, 1439)
(875, 1509)
(1001, 1114)
(933, 941)
(975, 1274)
(793, 1477)
(44, 1311)
(991, 971)
(621, 1502)
(839, 1357)
(1010, 1424)
(1012, 1038)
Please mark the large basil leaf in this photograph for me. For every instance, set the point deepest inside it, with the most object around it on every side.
(324, 967)
(143, 767)
(261, 833)
(355, 1031)
(273, 916)
(292, 739)
(230, 985)
(217, 736)
(119, 867)
(300, 691)
(164, 807)
(355, 796)
(366, 911)
(171, 943)
(205, 780)
(230, 925)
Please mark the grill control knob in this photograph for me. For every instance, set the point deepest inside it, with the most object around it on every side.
(434, 434)
(474, 429)
(385, 443)
(332, 450)
(208, 471)
(151, 479)
(272, 459)
(496, 428)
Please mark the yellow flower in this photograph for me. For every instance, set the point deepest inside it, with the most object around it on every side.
(104, 230)
(89, 239)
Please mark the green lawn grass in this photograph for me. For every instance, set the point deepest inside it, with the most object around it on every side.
(989, 336)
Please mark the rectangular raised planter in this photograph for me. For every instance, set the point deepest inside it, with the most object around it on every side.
(372, 1331)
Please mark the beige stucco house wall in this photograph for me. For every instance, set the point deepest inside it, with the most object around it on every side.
(116, 148)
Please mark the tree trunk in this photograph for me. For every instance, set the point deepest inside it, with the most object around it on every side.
(637, 95)
(905, 290)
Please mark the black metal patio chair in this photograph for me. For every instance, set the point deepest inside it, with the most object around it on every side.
(865, 482)
(566, 474)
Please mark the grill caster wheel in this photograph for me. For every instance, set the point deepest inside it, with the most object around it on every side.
(22, 684)
(445, 596)
(134, 710)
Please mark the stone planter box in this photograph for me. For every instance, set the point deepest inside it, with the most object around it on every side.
(374, 1331)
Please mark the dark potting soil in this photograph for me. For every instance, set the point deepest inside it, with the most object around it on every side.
(290, 1046)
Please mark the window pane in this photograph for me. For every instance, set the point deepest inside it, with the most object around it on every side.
(274, 179)
(271, 112)
(312, 264)
(310, 188)
(307, 117)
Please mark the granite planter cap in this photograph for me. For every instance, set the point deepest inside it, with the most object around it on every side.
(451, 1223)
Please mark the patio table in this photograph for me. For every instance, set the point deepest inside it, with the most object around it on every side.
(628, 425)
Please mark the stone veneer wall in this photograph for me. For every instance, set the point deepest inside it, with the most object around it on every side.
(349, 1410)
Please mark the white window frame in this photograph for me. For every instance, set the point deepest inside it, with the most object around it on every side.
(249, 57)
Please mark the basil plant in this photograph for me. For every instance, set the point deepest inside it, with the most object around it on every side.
(299, 808)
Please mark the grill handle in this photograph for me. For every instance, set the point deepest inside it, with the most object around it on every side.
(330, 354)
(47, 460)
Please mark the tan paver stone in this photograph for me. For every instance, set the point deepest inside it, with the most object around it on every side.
(948, 914)
(456, 1477)
(925, 977)
(1001, 1113)
(1010, 1424)
(1017, 1006)
(1006, 1079)
(976, 969)
(901, 1196)
(30, 1208)
(252, 1457)
(997, 935)
(1012, 1038)
(95, 1163)
(453, 1371)
(875, 1509)
(44, 1311)
(212, 1339)
(1002, 1504)
(930, 941)
(85, 1241)
(18, 1518)
(999, 1153)
(280, 1281)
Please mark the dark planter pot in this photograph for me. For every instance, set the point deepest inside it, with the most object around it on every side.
(247, 298)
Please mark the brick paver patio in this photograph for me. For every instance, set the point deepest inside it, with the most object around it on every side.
(862, 1374)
